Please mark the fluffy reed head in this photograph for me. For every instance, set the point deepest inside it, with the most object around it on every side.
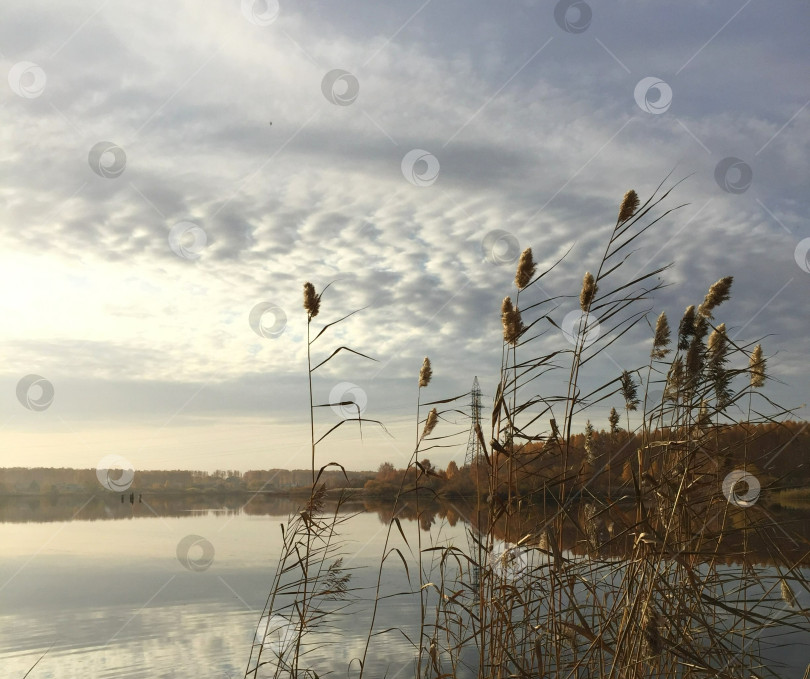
(525, 270)
(425, 373)
(756, 367)
(674, 380)
(312, 302)
(430, 423)
(629, 391)
(718, 293)
(512, 322)
(590, 453)
(613, 420)
(589, 289)
(686, 328)
(718, 342)
(629, 206)
(695, 361)
(661, 339)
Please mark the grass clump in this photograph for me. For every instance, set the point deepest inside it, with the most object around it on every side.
(668, 568)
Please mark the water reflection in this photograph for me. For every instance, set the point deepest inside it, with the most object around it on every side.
(113, 600)
(109, 593)
(787, 528)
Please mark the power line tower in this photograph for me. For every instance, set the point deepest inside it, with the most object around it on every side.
(473, 445)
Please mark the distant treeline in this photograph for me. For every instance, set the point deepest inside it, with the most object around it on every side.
(604, 462)
(44, 481)
(777, 454)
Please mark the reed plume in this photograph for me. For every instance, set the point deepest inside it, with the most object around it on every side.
(430, 423)
(425, 373)
(512, 322)
(591, 526)
(718, 293)
(525, 270)
(718, 342)
(686, 328)
(629, 391)
(756, 367)
(613, 420)
(674, 380)
(312, 302)
(629, 206)
(661, 341)
(589, 289)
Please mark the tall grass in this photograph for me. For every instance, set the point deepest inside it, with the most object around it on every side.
(662, 580)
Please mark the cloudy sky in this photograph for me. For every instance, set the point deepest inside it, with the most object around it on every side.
(173, 173)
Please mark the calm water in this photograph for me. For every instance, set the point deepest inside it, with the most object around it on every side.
(113, 600)
(101, 584)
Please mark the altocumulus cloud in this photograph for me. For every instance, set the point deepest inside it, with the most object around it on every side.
(224, 128)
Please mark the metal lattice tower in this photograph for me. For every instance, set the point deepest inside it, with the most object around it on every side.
(473, 445)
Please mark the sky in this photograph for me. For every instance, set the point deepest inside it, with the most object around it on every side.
(173, 173)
